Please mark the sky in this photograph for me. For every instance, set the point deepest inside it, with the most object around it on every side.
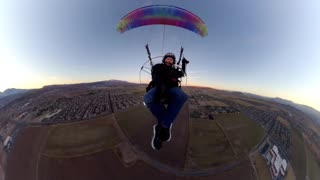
(269, 48)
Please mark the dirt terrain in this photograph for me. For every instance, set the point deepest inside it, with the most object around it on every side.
(98, 132)
(29, 159)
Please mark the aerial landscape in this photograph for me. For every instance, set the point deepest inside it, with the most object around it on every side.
(146, 89)
(219, 134)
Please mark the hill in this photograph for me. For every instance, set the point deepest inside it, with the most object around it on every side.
(311, 112)
(12, 91)
(10, 95)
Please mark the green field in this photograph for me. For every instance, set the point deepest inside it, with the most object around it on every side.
(242, 132)
(290, 174)
(313, 167)
(77, 139)
(208, 145)
(133, 119)
(261, 167)
(298, 160)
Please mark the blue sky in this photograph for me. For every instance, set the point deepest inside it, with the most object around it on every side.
(269, 48)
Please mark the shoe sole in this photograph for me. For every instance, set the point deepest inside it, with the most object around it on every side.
(154, 135)
(169, 133)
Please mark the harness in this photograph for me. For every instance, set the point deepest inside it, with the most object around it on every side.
(165, 77)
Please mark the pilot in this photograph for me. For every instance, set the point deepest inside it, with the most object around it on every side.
(165, 86)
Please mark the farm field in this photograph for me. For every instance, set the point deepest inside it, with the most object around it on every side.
(298, 159)
(208, 145)
(78, 139)
(290, 174)
(132, 119)
(261, 167)
(242, 132)
(313, 170)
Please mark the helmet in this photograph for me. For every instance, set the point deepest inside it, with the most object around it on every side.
(169, 55)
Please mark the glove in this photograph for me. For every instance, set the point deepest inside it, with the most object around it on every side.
(184, 60)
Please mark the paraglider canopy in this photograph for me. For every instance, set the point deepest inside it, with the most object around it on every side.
(163, 14)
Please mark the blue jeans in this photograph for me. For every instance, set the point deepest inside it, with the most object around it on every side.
(167, 115)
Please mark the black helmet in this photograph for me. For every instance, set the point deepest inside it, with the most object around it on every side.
(169, 55)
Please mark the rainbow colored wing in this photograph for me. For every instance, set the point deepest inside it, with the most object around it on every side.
(163, 14)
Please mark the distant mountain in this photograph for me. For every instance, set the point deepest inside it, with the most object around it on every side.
(10, 95)
(283, 101)
(311, 112)
(250, 95)
(94, 84)
(12, 91)
(7, 99)
(112, 82)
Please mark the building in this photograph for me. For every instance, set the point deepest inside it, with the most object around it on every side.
(277, 165)
(283, 167)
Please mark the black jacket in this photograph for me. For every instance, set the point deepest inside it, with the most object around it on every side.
(165, 76)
